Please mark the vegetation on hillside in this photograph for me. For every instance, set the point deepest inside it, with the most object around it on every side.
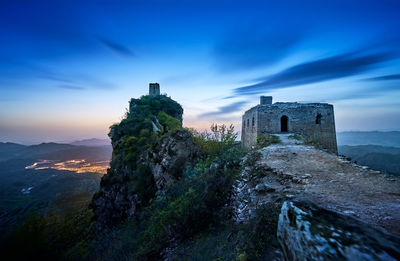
(147, 122)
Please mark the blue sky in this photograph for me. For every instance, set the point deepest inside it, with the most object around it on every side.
(68, 68)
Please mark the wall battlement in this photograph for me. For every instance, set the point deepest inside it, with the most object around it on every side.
(314, 120)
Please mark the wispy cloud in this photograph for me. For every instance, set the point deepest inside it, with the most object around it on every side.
(116, 47)
(230, 108)
(334, 67)
(74, 81)
(389, 77)
(71, 87)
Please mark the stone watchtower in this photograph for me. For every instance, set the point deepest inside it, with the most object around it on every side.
(314, 120)
(154, 89)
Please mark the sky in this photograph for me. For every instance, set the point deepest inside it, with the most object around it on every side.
(69, 68)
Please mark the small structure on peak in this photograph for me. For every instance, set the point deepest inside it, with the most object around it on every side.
(313, 120)
(154, 89)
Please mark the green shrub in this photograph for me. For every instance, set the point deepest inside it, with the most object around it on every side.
(218, 140)
(168, 122)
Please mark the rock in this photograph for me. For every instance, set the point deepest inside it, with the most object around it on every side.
(308, 232)
(155, 128)
(168, 163)
(264, 188)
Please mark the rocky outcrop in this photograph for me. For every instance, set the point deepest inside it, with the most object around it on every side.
(308, 232)
(175, 153)
(119, 198)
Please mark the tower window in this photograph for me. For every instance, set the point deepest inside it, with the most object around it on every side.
(248, 123)
(252, 122)
(318, 119)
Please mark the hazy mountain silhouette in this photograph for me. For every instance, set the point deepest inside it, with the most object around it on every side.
(92, 142)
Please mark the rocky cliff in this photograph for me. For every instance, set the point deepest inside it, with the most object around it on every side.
(150, 151)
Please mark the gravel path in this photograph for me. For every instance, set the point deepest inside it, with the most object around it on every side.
(334, 183)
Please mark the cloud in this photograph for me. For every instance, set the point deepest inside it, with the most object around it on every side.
(334, 67)
(71, 87)
(389, 77)
(248, 48)
(230, 108)
(116, 47)
(73, 81)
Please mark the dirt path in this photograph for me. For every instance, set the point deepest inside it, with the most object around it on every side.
(333, 183)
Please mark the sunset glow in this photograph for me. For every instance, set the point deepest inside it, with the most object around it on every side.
(68, 74)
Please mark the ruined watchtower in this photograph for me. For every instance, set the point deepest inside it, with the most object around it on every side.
(314, 120)
(154, 89)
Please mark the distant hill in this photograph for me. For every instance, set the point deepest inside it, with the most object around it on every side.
(10, 150)
(92, 142)
(54, 151)
(382, 158)
(24, 190)
(389, 138)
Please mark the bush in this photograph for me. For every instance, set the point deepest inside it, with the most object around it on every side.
(168, 122)
(218, 140)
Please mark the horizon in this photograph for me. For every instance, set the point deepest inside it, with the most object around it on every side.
(69, 142)
(68, 69)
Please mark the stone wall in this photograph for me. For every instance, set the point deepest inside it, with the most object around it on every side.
(309, 120)
(250, 130)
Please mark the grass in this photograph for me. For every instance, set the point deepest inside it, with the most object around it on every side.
(264, 141)
(296, 137)
(274, 139)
